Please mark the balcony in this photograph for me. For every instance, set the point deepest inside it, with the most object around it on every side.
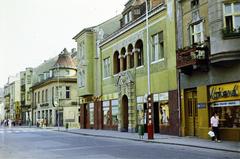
(231, 33)
(192, 58)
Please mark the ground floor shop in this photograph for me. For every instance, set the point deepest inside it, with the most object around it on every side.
(198, 104)
(125, 112)
(57, 116)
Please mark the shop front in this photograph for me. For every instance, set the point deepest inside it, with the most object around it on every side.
(164, 113)
(225, 100)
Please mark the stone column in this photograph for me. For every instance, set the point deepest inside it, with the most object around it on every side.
(54, 112)
(136, 52)
(121, 62)
(128, 59)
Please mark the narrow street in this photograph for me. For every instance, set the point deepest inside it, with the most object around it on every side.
(32, 143)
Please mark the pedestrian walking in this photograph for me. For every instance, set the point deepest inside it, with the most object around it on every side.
(215, 127)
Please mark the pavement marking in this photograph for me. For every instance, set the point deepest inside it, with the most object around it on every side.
(84, 147)
(20, 130)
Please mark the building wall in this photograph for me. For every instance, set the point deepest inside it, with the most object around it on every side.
(216, 24)
(87, 63)
(163, 73)
(70, 104)
(217, 74)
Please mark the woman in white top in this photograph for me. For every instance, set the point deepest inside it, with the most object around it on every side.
(214, 124)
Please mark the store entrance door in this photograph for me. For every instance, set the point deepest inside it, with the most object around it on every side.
(191, 113)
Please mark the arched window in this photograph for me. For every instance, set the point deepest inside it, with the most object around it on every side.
(116, 62)
(139, 50)
(130, 50)
(124, 59)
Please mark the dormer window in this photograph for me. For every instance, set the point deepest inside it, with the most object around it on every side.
(128, 17)
(194, 3)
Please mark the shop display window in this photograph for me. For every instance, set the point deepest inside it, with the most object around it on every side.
(114, 112)
(164, 113)
(106, 113)
(91, 108)
(229, 116)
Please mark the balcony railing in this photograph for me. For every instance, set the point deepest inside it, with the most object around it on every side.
(231, 33)
(193, 57)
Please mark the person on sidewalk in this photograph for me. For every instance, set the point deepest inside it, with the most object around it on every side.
(215, 127)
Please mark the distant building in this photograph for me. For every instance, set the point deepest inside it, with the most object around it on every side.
(12, 98)
(26, 94)
(54, 91)
(2, 111)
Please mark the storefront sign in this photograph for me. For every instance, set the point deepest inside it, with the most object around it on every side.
(201, 105)
(163, 96)
(226, 104)
(224, 92)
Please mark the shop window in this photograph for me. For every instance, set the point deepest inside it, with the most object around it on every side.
(91, 110)
(115, 112)
(106, 113)
(164, 113)
(229, 116)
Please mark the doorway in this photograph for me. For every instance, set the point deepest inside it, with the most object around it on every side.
(125, 113)
(191, 113)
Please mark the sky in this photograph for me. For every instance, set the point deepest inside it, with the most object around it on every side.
(32, 31)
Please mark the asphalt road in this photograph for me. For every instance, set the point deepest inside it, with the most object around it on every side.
(32, 143)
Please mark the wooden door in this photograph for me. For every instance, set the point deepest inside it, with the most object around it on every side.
(191, 113)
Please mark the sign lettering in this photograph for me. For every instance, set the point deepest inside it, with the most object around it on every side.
(219, 92)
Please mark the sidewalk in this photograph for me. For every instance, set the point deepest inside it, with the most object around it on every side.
(230, 146)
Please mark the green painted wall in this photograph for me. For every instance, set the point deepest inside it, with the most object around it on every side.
(163, 73)
(89, 48)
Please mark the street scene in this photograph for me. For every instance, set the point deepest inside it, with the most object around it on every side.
(120, 79)
(29, 143)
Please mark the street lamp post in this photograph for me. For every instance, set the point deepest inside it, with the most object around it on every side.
(58, 97)
(149, 96)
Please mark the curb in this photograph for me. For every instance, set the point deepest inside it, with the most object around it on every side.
(149, 141)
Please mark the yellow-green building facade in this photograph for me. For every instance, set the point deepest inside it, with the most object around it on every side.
(208, 67)
(117, 97)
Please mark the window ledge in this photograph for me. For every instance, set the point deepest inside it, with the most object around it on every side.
(105, 78)
(140, 67)
(160, 60)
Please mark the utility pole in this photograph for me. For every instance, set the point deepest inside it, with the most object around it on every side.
(149, 96)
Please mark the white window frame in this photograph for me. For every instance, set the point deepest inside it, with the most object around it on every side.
(194, 33)
(233, 14)
(81, 78)
(130, 18)
(106, 67)
(157, 48)
(81, 50)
